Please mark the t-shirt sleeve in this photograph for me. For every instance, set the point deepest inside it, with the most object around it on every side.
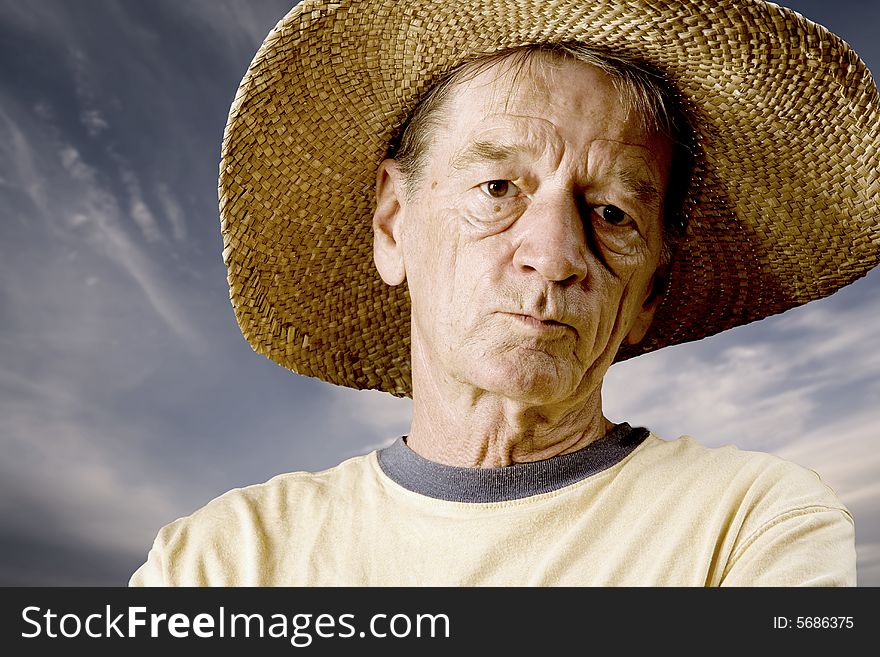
(151, 572)
(206, 548)
(809, 546)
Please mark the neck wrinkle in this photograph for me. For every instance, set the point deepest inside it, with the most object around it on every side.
(480, 429)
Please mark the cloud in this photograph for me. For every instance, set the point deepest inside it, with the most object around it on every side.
(95, 214)
(94, 121)
(684, 392)
(138, 210)
(91, 97)
(87, 92)
(23, 164)
(172, 211)
(379, 417)
(761, 385)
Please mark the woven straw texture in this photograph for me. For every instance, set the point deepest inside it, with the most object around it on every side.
(783, 206)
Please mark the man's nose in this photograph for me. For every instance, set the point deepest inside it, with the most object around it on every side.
(553, 241)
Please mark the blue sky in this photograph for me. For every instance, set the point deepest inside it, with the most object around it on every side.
(128, 397)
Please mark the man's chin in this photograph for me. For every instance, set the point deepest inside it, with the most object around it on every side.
(526, 383)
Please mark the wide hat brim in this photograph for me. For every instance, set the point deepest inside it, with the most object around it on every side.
(783, 206)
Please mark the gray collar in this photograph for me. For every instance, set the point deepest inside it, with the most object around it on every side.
(446, 482)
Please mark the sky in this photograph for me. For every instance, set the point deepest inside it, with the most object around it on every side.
(129, 398)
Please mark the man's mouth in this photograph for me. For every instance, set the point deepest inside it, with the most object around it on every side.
(538, 322)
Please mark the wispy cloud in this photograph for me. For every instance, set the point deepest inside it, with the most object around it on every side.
(94, 121)
(138, 209)
(90, 96)
(763, 385)
(72, 197)
(683, 391)
(21, 164)
(173, 212)
(98, 296)
(95, 213)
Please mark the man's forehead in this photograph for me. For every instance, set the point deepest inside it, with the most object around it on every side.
(520, 132)
(542, 99)
(528, 85)
(501, 116)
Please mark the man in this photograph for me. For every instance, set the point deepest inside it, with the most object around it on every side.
(560, 185)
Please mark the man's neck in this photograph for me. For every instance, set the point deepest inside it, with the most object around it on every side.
(476, 428)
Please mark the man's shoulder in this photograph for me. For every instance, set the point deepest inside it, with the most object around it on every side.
(203, 548)
(764, 519)
(729, 469)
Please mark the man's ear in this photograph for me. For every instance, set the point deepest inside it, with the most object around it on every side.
(652, 301)
(388, 223)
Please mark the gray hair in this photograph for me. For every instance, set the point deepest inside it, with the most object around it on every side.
(644, 92)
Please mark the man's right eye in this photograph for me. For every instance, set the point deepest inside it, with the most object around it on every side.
(499, 189)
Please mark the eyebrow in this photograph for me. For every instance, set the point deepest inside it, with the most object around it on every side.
(487, 151)
(637, 185)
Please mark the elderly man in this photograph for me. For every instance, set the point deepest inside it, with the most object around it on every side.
(560, 185)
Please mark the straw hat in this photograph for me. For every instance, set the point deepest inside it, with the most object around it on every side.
(783, 206)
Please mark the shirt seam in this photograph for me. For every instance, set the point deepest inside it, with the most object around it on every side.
(776, 520)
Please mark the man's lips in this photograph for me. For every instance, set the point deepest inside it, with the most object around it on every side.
(538, 321)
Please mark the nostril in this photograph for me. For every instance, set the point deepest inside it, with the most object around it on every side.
(554, 267)
(571, 280)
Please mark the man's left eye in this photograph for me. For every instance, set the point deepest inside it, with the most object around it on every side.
(613, 215)
(499, 189)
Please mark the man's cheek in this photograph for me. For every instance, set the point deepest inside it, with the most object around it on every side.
(624, 265)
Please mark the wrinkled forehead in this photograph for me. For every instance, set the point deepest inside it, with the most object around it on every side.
(543, 85)
(548, 99)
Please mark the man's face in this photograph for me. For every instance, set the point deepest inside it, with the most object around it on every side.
(531, 241)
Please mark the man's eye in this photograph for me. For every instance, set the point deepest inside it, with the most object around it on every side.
(613, 215)
(499, 189)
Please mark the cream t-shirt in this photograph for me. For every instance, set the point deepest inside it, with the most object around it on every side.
(629, 510)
